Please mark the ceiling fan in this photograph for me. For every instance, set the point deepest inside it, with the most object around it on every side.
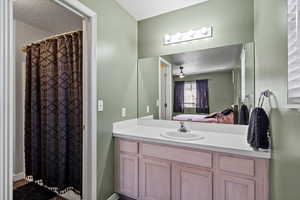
(181, 74)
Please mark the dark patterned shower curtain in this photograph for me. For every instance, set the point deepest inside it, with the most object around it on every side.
(53, 112)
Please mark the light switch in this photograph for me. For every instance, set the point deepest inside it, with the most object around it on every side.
(123, 112)
(100, 105)
(157, 103)
(148, 109)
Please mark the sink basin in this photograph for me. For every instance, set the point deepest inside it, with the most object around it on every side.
(175, 135)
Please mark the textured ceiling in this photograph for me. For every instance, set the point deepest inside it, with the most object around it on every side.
(46, 15)
(142, 9)
(204, 61)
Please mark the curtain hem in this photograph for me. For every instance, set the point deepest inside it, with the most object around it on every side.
(53, 189)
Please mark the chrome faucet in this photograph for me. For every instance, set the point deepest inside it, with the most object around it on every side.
(182, 128)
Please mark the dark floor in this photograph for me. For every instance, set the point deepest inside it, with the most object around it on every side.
(24, 182)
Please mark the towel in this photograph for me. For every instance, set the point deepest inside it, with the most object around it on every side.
(244, 115)
(258, 129)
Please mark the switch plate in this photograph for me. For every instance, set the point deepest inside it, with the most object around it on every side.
(100, 105)
(123, 112)
(148, 109)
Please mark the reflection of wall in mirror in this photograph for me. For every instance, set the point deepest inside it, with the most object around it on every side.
(220, 86)
(148, 93)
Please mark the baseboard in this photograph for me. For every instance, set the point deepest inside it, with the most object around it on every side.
(19, 176)
(114, 196)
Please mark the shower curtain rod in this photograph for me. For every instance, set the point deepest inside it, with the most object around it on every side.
(48, 38)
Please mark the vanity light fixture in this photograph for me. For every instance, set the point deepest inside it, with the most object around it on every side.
(204, 32)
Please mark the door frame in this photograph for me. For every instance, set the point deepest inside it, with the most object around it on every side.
(170, 103)
(7, 97)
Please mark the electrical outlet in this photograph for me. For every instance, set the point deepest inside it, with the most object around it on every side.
(148, 109)
(123, 112)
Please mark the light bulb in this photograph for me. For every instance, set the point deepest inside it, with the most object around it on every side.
(167, 38)
(178, 36)
(191, 33)
(204, 30)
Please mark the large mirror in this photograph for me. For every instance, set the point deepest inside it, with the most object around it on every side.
(206, 86)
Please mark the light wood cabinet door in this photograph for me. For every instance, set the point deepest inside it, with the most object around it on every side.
(155, 179)
(128, 175)
(233, 188)
(191, 183)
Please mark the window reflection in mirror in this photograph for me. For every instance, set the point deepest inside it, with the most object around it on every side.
(206, 86)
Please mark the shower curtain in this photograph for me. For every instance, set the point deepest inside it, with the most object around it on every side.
(53, 113)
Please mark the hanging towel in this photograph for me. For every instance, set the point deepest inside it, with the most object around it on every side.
(244, 115)
(258, 129)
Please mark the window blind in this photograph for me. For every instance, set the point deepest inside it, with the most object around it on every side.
(293, 53)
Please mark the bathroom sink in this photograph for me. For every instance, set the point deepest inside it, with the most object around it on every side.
(176, 135)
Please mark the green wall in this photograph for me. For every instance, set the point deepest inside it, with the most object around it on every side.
(220, 86)
(232, 22)
(270, 35)
(117, 82)
(148, 86)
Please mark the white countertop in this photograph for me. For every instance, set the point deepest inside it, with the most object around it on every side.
(234, 143)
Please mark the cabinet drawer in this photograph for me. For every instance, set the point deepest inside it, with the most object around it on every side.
(128, 146)
(243, 166)
(194, 157)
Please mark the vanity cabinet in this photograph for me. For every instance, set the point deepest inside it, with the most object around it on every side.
(149, 171)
